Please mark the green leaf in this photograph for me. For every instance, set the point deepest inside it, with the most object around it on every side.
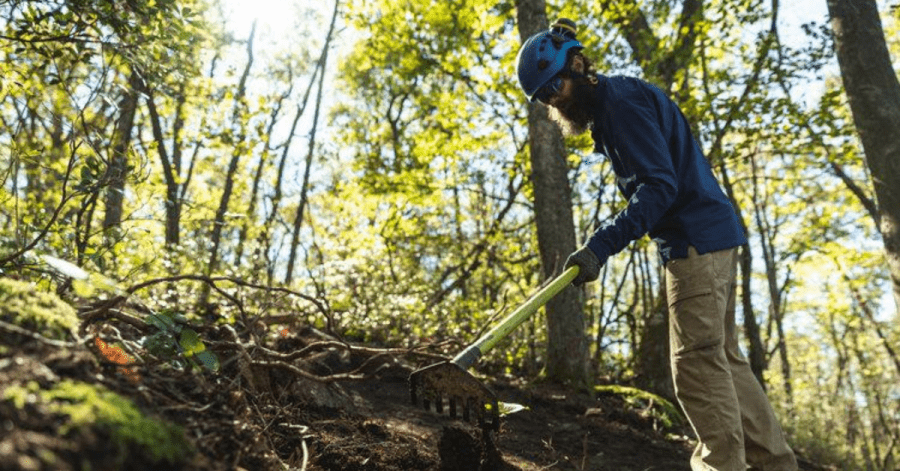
(162, 322)
(190, 342)
(209, 360)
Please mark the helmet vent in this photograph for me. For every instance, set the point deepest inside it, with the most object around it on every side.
(543, 64)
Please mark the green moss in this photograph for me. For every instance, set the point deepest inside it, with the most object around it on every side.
(94, 406)
(654, 405)
(19, 395)
(45, 313)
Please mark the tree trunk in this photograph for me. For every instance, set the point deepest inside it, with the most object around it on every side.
(874, 95)
(118, 166)
(266, 238)
(767, 235)
(176, 183)
(237, 141)
(567, 349)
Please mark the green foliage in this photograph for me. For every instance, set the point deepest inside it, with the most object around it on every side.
(436, 183)
(22, 304)
(86, 407)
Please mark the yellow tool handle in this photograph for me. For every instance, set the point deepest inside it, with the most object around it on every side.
(473, 352)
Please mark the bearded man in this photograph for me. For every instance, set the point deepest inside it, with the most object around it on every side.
(672, 195)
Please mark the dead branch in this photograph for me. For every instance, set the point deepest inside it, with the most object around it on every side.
(107, 310)
(212, 280)
(14, 329)
(307, 375)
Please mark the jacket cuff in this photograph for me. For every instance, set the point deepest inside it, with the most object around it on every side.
(599, 248)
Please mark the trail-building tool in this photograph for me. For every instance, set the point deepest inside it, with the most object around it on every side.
(449, 383)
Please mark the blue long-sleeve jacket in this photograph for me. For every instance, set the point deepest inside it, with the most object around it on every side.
(660, 169)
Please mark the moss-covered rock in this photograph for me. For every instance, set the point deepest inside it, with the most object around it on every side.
(45, 313)
(651, 404)
(94, 409)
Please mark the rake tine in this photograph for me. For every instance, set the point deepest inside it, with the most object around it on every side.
(449, 382)
(491, 417)
(453, 407)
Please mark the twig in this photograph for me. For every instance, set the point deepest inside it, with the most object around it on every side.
(14, 329)
(212, 280)
(378, 352)
(108, 311)
(302, 431)
(305, 454)
(305, 374)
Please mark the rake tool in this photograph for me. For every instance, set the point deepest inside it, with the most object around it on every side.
(449, 382)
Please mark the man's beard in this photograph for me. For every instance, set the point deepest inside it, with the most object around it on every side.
(573, 115)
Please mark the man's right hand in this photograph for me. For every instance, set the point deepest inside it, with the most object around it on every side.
(588, 264)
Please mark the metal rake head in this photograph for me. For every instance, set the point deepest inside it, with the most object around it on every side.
(448, 383)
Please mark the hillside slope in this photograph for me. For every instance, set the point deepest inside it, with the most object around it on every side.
(299, 401)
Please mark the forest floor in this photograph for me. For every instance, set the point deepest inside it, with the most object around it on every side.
(69, 408)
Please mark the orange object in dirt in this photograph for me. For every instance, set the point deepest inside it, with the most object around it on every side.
(119, 357)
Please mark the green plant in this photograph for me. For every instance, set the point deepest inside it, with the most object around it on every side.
(174, 340)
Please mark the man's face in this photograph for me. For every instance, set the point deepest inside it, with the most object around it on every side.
(570, 107)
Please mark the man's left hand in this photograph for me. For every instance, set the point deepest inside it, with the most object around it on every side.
(588, 264)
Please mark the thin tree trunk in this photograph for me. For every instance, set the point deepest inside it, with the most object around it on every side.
(258, 175)
(776, 303)
(237, 153)
(266, 235)
(870, 316)
(652, 363)
(118, 168)
(304, 189)
(756, 352)
(171, 164)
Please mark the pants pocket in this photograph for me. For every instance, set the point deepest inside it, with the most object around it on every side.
(695, 321)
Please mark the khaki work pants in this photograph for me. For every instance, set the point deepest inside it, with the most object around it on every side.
(724, 402)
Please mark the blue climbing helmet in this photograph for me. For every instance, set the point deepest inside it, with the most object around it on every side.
(543, 56)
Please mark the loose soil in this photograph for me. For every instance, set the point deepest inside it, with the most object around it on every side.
(255, 413)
